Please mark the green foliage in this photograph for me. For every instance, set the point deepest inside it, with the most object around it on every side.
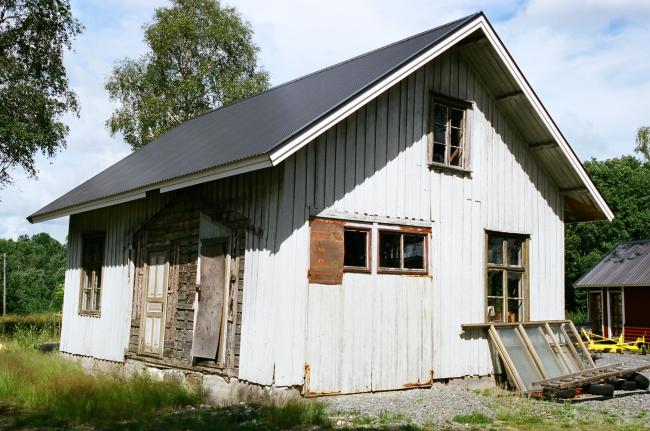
(34, 93)
(58, 391)
(201, 56)
(35, 273)
(579, 316)
(625, 184)
(643, 142)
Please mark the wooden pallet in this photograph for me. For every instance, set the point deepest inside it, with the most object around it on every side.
(590, 375)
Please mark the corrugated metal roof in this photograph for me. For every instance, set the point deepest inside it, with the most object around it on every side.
(251, 127)
(628, 264)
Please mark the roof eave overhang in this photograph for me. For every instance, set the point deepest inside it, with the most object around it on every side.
(479, 23)
(215, 173)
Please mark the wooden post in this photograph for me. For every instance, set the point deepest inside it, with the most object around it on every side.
(4, 284)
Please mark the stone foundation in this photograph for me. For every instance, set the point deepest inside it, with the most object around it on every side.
(219, 390)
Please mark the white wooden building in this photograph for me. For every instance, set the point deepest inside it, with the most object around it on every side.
(334, 232)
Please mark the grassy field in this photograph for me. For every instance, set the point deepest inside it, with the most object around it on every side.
(46, 391)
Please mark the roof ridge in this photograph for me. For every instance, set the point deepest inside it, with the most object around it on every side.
(291, 81)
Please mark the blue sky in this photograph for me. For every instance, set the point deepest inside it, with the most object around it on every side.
(587, 60)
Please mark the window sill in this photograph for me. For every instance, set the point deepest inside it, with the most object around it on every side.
(356, 270)
(447, 168)
(89, 314)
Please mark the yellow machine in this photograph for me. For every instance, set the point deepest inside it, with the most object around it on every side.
(598, 343)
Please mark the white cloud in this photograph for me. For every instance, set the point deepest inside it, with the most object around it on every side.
(586, 59)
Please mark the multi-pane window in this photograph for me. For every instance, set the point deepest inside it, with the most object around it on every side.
(356, 249)
(506, 278)
(448, 140)
(91, 273)
(402, 251)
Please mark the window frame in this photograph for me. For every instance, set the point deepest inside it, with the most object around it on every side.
(368, 231)
(466, 107)
(402, 230)
(94, 268)
(505, 268)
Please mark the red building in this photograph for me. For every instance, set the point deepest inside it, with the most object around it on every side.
(619, 291)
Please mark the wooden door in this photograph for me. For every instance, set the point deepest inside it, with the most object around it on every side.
(209, 327)
(152, 329)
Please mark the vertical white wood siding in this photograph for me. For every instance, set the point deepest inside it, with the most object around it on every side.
(373, 332)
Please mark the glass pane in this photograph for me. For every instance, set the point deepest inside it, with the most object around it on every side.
(577, 342)
(440, 114)
(495, 249)
(389, 250)
(438, 153)
(544, 350)
(495, 310)
(413, 251)
(439, 134)
(355, 248)
(515, 310)
(87, 300)
(456, 137)
(96, 300)
(520, 358)
(571, 363)
(495, 282)
(456, 117)
(515, 285)
(515, 249)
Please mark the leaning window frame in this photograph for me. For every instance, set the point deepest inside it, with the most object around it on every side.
(467, 107)
(359, 228)
(505, 267)
(403, 230)
(94, 267)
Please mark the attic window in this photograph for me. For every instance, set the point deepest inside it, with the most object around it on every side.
(448, 136)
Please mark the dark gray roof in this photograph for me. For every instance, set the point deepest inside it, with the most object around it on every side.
(628, 264)
(252, 127)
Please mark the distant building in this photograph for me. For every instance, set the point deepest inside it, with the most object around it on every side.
(619, 291)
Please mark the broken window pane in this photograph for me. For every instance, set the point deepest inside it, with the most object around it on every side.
(519, 356)
(455, 156)
(456, 137)
(515, 246)
(577, 343)
(389, 250)
(564, 348)
(495, 310)
(514, 284)
(514, 310)
(495, 249)
(495, 283)
(413, 251)
(355, 248)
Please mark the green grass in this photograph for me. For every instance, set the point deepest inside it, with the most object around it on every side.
(473, 419)
(57, 391)
(11, 323)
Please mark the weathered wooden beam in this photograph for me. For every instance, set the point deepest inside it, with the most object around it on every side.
(569, 190)
(507, 96)
(542, 145)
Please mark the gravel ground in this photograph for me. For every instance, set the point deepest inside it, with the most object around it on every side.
(440, 404)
